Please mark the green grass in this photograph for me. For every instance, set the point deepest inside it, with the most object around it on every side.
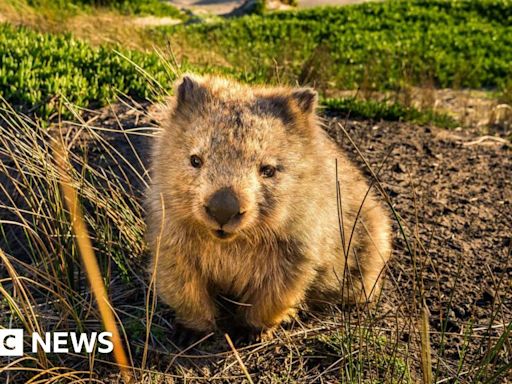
(152, 7)
(132, 7)
(378, 110)
(381, 358)
(375, 45)
(35, 67)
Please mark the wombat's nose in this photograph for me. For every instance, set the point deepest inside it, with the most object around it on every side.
(223, 206)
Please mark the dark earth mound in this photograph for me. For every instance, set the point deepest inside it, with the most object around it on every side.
(454, 196)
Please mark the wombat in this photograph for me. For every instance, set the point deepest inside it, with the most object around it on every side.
(252, 202)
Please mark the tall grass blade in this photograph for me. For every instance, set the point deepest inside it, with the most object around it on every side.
(88, 257)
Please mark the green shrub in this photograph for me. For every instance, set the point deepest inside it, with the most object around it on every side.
(35, 67)
(138, 7)
(375, 45)
(377, 110)
(260, 6)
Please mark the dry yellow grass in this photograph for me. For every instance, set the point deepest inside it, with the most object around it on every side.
(98, 26)
(89, 259)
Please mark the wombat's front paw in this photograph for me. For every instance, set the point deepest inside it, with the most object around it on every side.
(266, 322)
(265, 335)
(244, 335)
(291, 315)
(185, 337)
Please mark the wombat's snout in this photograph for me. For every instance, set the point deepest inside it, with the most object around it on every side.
(223, 206)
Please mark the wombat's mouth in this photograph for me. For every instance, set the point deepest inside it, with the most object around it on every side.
(221, 234)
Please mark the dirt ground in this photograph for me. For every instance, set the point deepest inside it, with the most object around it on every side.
(453, 195)
(220, 7)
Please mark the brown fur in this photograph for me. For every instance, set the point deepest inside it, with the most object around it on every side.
(288, 248)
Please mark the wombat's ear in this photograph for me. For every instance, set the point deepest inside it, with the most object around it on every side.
(189, 91)
(305, 98)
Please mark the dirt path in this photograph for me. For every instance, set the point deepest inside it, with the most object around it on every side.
(319, 3)
(219, 7)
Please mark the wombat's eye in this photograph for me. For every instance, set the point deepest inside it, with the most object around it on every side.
(267, 170)
(196, 161)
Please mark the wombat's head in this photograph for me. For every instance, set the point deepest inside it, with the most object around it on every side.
(235, 156)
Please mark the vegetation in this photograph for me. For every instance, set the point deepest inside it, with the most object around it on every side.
(136, 7)
(378, 110)
(35, 67)
(379, 361)
(375, 45)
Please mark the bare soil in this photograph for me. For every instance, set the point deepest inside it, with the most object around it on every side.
(221, 7)
(454, 198)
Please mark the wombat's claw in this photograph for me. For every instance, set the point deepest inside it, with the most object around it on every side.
(265, 335)
(291, 315)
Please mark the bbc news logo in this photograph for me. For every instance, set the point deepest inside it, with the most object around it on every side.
(11, 342)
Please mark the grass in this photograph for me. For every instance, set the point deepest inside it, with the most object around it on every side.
(47, 264)
(381, 46)
(379, 360)
(129, 7)
(79, 230)
(37, 68)
(96, 25)
(371, 47)
(378, 110)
